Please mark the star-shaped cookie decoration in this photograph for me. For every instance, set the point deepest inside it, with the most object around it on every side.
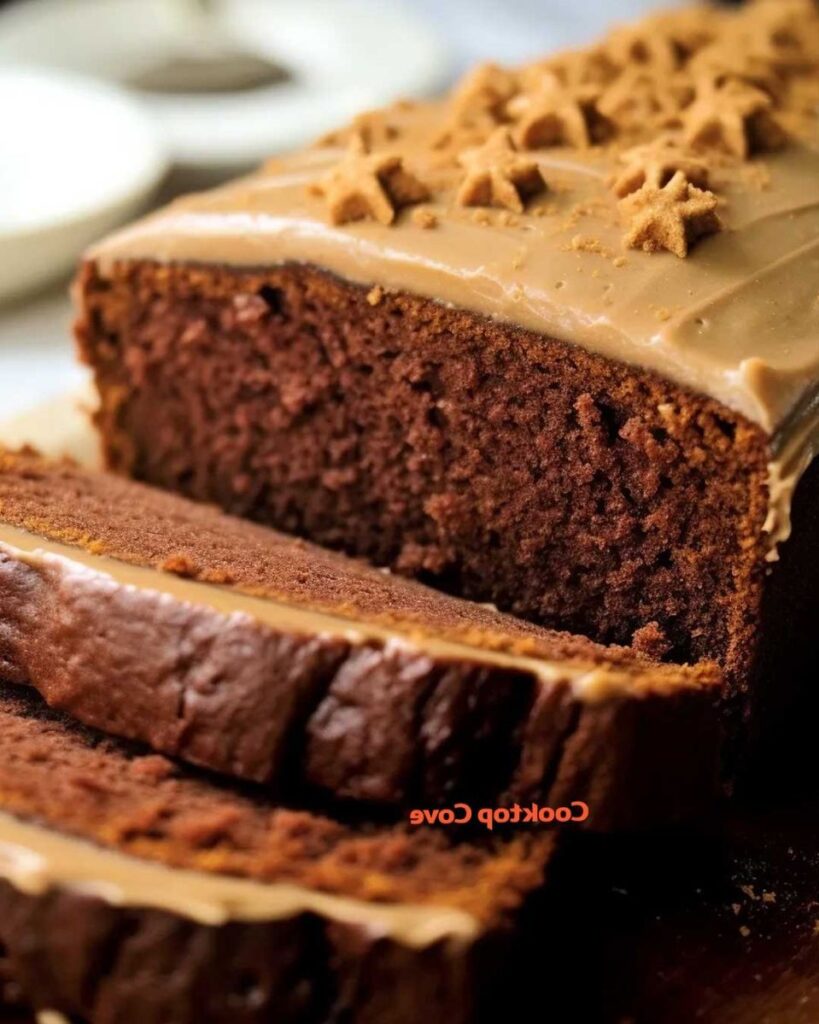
(463, 130)
(377, 129)
(475, 109)
(639, 99)
(498, 175)
(487, 88)
(553, 115)
(655, 164)
(786, 34)
(368, 186)
(688, 29)
(734, 117)
(672, 217)
(719, 63)
(646, 46)
(573, 69)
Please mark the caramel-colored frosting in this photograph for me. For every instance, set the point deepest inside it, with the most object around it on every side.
(653, 198)
(738, 321)
(587, 681)
(36, 860)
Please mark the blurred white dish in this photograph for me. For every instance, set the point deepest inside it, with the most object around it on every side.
(78, 158)
(59, 428)
(343, 56)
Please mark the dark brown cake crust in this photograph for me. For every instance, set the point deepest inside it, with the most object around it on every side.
(100, 963)
(491, 461)
(317, 715)
(110, 965)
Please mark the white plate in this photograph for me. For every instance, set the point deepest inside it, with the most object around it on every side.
(344, 56)
(78, 157)
(60, 428)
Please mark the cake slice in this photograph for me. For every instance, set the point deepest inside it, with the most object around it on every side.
(131, 891)
(550, 342)
(245, 651)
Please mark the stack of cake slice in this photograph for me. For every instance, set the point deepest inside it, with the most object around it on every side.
(328, 696)
(256, 655)
(549, 343)
(133, 891)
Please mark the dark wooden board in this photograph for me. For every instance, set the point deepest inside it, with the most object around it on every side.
(719, 930)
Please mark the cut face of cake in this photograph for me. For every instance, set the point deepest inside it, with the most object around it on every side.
(226, 644)
(550, 342)
(133, 892)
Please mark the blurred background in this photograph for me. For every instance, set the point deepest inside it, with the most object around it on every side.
(108, 107)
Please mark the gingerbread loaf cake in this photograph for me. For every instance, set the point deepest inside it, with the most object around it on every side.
(550, 342)
(230, 646)
(132, 891)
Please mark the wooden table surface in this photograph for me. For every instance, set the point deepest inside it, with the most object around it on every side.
(722, 932)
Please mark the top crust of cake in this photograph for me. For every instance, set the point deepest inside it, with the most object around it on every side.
(653, 197)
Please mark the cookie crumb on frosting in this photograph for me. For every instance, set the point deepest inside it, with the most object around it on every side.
(424, 217)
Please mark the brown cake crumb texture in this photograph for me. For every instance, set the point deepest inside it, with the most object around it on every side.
(704, 87)
(489, 461)
(154, 528)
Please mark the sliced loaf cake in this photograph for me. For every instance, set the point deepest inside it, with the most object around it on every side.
(233, 647)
